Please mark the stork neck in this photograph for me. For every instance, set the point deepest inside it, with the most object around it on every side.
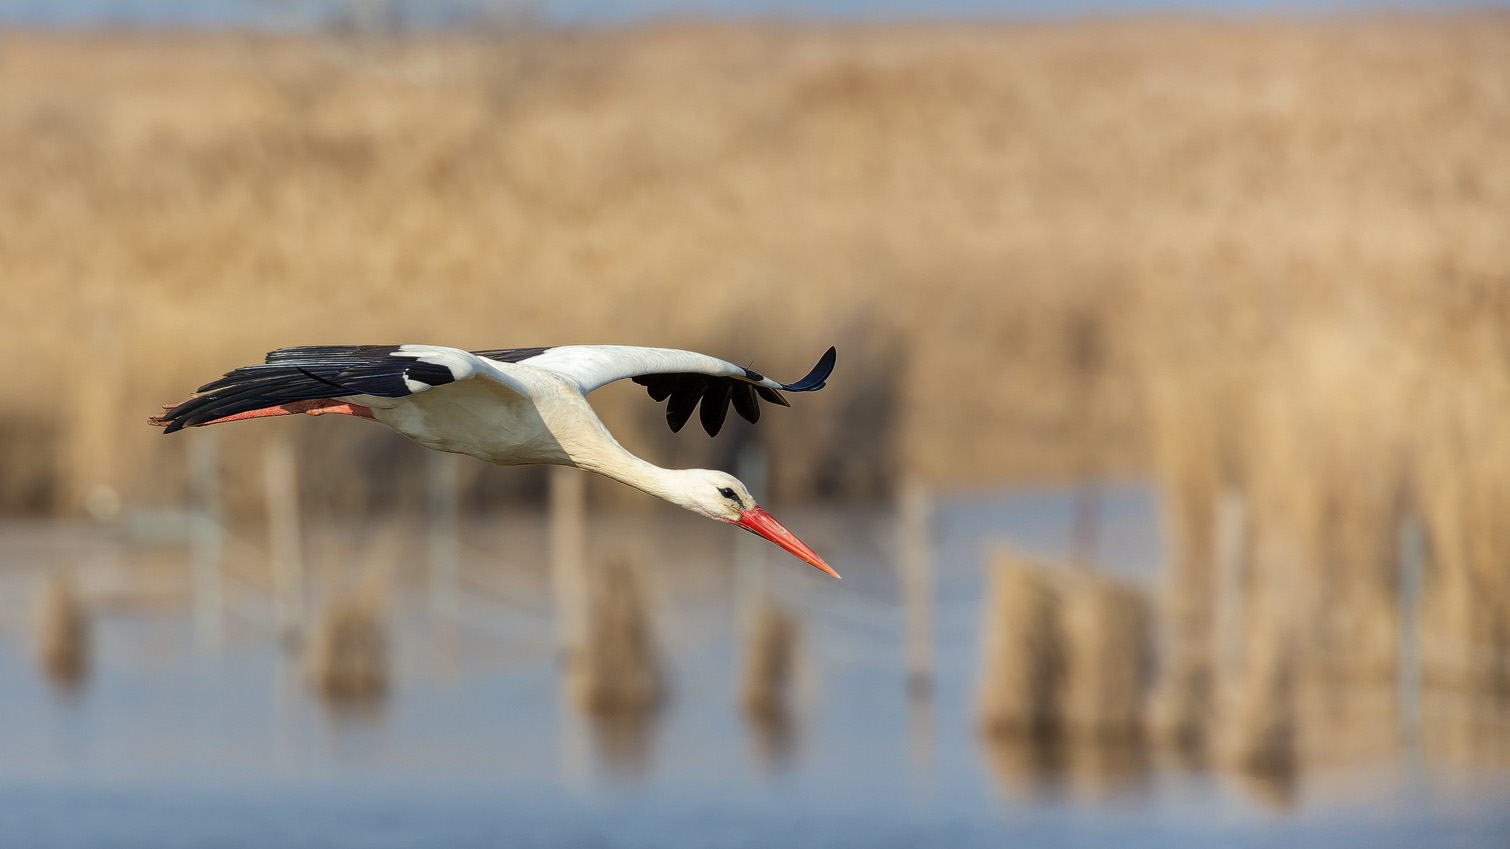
(610, 459)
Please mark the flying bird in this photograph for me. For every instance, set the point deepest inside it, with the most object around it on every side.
(516, 407)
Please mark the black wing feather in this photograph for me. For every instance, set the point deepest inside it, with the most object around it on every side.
(684, 397)
(745, 404)
(716, 405)
(306, 374)
(686, 391)
(660, 385)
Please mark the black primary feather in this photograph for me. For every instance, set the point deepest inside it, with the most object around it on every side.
(686, 391)
(306, 374)
(745, 404)
(716, 405)
(685, 394)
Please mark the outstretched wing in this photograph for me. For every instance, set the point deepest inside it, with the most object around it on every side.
(681, 378)
(294, 375)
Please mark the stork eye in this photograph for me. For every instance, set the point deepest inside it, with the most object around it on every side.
(726, 492)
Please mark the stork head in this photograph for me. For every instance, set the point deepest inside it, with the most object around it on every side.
(721, 496)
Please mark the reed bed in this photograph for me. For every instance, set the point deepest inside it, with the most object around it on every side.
(1022, 211)
(1262, 257)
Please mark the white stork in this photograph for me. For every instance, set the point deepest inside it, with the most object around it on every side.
(515, 407)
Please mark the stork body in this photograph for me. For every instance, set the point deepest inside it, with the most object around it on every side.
(516, 407)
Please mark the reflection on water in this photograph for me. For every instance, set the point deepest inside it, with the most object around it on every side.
(1038, 769)
(774, 739)
(476, 739)
(624, 742)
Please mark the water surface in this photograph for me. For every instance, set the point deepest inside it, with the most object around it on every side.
(175, 742)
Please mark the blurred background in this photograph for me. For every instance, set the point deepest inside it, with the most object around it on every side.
(1163, 461)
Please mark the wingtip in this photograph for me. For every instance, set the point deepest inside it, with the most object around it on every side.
(816, 378)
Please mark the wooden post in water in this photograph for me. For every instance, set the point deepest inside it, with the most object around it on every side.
(914, 509)
(63, 642)
(209, 607)
(285, 541)
(443, 531)
(1412, 575)
(1231, 553)
(568, 529)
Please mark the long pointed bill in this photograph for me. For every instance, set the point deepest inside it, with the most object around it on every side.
(758, 521)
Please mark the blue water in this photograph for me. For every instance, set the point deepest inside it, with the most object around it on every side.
(172, 742)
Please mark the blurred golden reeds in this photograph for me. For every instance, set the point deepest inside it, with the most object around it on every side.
(994, 201)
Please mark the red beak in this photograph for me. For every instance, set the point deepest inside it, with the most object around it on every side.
(758, 521)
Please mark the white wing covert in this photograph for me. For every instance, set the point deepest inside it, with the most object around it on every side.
(685, 378)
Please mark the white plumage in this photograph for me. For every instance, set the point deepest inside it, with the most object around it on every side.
(515, 407)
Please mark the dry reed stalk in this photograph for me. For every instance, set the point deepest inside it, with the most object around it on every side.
(1108, 651)
(1259, 722)
(1346, 389)
(349, 656)
(1023, 660)
(617, 669)
(63, 638)
(1463, 467)
(1189, 462)
(770, 661)
(1258, 728)
(1257, 733)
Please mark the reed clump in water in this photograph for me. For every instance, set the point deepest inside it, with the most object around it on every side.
(1108, 658)
(1023, 662)
(1259, 720)
(1065, 654)
(349, 656)
(770, 663)
(63, 633)
(1463, 467)
(617, 669)
(1335, 431)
